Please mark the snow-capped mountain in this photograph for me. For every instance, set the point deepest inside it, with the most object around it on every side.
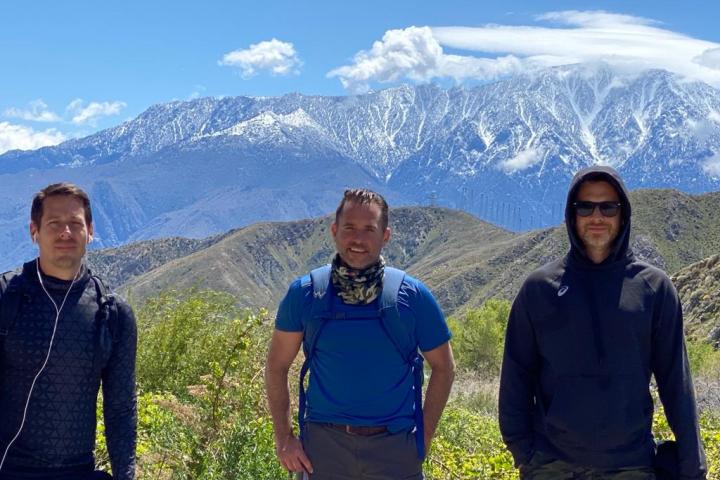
(504, 151)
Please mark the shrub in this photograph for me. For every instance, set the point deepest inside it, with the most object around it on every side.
(202, 410)
(704, 359)
(201, 365)
(467, 445)
(479, 337)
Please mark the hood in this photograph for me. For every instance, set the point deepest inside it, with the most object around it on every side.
(621, 247)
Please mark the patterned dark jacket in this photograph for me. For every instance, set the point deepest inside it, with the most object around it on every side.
(59, 430)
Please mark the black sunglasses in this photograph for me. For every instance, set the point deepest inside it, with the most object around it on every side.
(607, 209)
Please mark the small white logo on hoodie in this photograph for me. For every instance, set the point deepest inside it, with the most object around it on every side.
(563, 290)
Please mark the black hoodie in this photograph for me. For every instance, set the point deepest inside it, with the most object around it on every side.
(582, 342)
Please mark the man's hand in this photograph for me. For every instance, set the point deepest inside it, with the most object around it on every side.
(292, 456)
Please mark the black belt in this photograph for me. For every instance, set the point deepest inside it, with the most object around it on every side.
(358, 430)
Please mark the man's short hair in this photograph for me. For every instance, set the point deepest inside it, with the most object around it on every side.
(64, 188)
(363, 196)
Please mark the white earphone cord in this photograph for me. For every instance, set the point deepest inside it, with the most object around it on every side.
(47, 357)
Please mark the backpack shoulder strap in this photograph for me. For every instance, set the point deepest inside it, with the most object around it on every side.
(11, 295)
(400, 332)
(320, 310)
(320, 278)
(316, 318)
(106, 301)
(403, 337)
(106, 323)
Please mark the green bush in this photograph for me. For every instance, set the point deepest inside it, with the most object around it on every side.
(202, 409)
(183, 336)
(468, 445)
(165, 442)
(704, 359)
(478, 337)
(203, 413)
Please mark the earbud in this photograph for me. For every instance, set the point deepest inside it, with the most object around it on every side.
(34, 238)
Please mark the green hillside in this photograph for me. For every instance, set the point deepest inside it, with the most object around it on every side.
(118, 265)
(464, 260)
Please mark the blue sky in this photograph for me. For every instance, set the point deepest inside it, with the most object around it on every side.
(70, 68)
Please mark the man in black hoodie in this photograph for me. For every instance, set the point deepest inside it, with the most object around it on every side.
(585, 334)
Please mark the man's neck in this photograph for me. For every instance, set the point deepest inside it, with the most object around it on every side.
(59, 273)
(597, 256)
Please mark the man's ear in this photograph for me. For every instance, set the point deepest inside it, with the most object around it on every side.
(91, 232)
(33, 232)
(386, 235)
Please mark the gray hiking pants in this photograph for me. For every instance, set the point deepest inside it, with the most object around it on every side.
(337, 455)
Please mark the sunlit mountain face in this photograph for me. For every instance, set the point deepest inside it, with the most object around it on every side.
(503, 151)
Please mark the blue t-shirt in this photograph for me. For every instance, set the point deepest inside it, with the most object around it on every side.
(357, 376)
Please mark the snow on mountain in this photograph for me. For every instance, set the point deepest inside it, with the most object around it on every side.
(504, 151)
(268, 126)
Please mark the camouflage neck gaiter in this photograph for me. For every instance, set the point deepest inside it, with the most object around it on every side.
(357, 287)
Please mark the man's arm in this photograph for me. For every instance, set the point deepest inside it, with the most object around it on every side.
(672, 374)
(442, 375)
(284, 347)
(517, 379)
(119, 399)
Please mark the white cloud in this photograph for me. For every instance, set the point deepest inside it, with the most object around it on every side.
(414, 53)
(525, 159)
(37, 111)
(275, 56)
(709, 58)
(711, 166)
(411, 53)
(634, 43)
(558, 38)
(594, 18)
(91, 112)
(20, 137)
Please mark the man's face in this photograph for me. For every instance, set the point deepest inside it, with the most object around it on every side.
(597, 232)
(62, 235)
(359, 235)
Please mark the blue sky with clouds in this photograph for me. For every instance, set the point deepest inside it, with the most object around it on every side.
(70, 68)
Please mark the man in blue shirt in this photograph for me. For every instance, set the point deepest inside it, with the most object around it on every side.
(361, 417)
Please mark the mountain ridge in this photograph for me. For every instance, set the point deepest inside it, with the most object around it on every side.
(503, 151)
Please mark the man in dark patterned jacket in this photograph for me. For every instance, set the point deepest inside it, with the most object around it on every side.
(62, 335)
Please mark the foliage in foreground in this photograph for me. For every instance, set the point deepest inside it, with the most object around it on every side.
(202, 410)
(479, 336)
